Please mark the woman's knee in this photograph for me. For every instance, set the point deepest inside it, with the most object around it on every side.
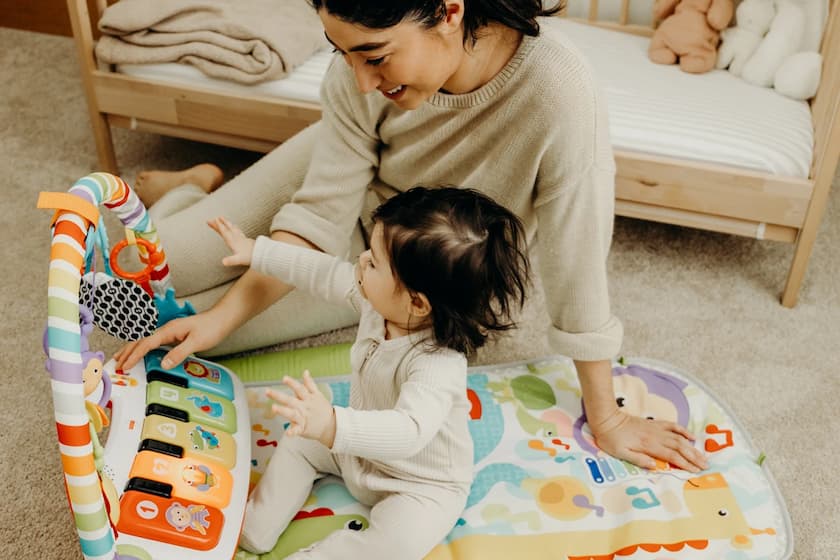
(250, 200)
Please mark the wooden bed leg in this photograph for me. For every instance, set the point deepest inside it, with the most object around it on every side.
(807, 236)
(104, 143)
(790, 295)
(83, 36)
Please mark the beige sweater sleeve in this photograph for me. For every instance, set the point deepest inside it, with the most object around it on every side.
(573, 241)
(328, 205)
(575, 214)
(575, 209)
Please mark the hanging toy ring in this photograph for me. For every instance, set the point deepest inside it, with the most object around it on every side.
(153, 258)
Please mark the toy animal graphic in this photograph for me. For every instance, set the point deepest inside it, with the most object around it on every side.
(642, 392)
(712, 513)
(304, 531)
(92, 376)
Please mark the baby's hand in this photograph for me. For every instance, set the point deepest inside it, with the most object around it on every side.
(309, 412)
(241, 245)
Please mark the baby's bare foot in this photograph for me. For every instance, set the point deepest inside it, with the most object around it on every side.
(150, 186)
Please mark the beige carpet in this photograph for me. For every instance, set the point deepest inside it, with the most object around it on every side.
(703, 302)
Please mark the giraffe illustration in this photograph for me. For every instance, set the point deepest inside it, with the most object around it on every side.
(713, 514)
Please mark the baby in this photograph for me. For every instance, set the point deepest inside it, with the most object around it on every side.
(446, 268)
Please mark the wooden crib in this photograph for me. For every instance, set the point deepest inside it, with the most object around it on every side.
(679, 191)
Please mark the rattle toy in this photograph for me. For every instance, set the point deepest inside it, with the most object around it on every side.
(171, 480)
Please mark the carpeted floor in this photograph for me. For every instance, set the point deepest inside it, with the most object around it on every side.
(704, 302)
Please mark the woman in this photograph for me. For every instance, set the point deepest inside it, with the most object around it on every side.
(479, 95)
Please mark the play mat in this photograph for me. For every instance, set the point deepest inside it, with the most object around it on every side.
(541, 489)
(177, 451)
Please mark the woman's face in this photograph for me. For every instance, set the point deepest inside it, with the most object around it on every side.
(406, 63)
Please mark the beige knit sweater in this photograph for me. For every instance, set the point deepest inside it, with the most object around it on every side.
(535, 138)
(407, 423)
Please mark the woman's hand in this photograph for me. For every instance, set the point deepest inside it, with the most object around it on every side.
(250, 295)
(189, 334)
(241, 245)
(644, 442)
(631, 438)
(309, 412)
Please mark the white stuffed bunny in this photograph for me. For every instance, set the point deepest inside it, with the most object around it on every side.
(787, 59)
(782, 40)
(799, 75)
(738, 43)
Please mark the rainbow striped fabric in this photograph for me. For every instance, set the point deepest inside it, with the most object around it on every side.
(64, 344)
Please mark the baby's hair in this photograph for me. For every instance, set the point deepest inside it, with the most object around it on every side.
(465, 253)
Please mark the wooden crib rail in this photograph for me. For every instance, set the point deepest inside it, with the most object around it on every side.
(826, 104)
(595, 16)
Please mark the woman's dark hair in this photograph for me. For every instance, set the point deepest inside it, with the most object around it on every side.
(465, 253)
(378, 14)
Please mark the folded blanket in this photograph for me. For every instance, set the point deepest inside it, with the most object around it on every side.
(247, 41)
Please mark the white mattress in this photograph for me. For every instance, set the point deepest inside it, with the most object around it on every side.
(302, 84)
(714, 117)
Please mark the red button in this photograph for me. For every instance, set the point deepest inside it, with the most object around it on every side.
(170, 520)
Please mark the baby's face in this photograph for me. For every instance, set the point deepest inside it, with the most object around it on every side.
(378, 283)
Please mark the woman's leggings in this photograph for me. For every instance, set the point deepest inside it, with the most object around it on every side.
(250, 200)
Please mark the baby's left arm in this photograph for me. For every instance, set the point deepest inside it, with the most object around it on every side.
(425, 403)
(308, 411)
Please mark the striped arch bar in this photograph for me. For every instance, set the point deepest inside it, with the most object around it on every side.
(67, 259)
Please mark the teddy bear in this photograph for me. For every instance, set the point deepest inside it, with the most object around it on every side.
(788, 57)
(689, 32)
(738, 43)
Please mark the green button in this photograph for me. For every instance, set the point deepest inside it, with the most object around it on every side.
(202, 408)
(195, 439)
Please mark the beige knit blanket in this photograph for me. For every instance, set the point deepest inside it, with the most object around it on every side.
(247, 41)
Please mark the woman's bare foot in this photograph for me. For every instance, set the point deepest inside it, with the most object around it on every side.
(150, 186)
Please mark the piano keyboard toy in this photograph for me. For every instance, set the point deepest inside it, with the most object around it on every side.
(179, 445)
